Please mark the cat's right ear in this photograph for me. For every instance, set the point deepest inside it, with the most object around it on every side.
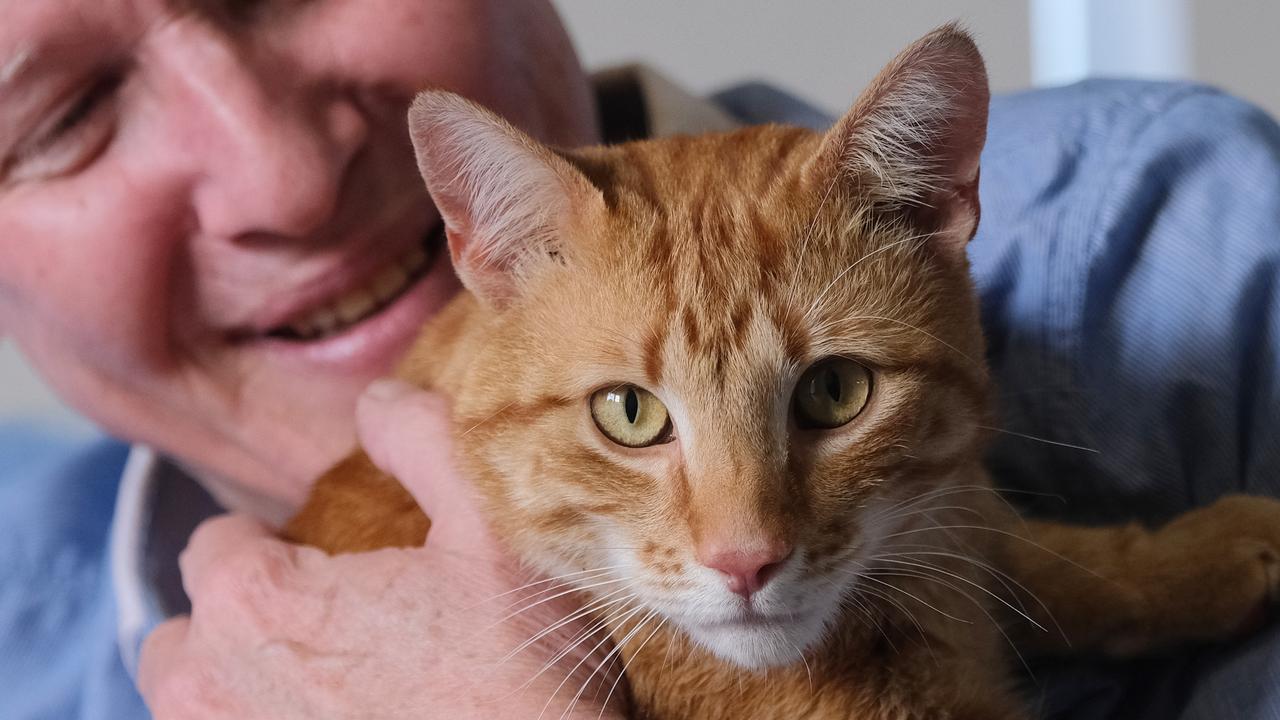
(910, 145)
(506, 199)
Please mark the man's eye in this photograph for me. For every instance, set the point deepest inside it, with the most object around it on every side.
(77, 136)
(84, 107)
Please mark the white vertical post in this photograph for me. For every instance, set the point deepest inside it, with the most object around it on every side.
(1075, 39)
(1059, 41)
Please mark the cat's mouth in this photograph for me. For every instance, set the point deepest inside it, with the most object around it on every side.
(758, 640)
(379, 290)
(752, 619)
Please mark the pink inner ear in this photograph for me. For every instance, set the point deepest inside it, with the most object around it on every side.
(504, 197)
(955, 217)
(485, 278)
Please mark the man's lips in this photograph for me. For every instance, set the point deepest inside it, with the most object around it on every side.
(354, 306)
(337, 303)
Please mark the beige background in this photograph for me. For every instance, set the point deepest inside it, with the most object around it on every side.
(822, 50)
(826, 49)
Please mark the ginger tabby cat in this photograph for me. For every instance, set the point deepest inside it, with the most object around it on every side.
(731, 388)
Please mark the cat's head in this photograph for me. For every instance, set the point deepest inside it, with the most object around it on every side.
(714, 365)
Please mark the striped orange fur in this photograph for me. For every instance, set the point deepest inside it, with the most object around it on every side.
(712, 271)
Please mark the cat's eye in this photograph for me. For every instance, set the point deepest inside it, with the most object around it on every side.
(831, 393)
(631, 416)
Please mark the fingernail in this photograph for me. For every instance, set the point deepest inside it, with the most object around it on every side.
(385, 389)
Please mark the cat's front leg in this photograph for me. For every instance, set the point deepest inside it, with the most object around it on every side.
(1210, 574)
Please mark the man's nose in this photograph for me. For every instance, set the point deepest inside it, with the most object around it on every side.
(746, 565)
(272, 146)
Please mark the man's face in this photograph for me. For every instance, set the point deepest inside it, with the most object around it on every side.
(212, 230)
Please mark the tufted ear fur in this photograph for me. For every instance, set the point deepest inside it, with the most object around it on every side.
(912, 140)
(506, 199)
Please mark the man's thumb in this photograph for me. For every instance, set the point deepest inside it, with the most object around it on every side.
(406, 432)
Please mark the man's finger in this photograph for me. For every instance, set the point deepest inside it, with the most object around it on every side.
(161, 651)
(214, 544)
(407, 433)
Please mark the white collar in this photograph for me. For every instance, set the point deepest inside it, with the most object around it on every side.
(126, 546)
(157, 508)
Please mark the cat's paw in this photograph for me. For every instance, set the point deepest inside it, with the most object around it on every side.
(1220, 567)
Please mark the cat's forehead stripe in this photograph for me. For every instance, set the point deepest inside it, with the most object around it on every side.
(777, 171)
(652, 350)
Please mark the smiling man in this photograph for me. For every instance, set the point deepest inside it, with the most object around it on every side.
(213, 223)
(213, 236)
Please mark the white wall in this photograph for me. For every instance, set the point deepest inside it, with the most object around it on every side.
(1234, 45)
(823, 50)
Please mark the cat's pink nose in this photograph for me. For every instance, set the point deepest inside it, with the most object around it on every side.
(747, 570)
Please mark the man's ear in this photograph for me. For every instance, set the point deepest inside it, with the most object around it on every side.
(911, 142)
(507, 200)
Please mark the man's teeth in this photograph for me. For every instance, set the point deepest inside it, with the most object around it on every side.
(356, 305)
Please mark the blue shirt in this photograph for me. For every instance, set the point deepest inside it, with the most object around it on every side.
(1129, 264)
(59, 655)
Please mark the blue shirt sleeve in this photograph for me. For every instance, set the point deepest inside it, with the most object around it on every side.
(59, 659)
(1128, 260)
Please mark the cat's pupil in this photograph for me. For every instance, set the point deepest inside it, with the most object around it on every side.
(832, 381)
(632, 406)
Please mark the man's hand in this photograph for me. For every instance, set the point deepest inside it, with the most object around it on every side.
(279, 631)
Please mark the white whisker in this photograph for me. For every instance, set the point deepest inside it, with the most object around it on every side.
(613, 652)
(809, 231)
(922, 331)
(906, 612)
(934, 568)
(595, 605)
(585, 657)
(583, 636)
(557, 578)
(1006, 533)
(491, 416)
(1046, 441)
(627, 664)
(814, 305)
(562, 593)
(869, 576)
(981, 608)
(999, 575)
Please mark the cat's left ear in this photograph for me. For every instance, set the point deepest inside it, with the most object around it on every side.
(507, 200)
(911, 142)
